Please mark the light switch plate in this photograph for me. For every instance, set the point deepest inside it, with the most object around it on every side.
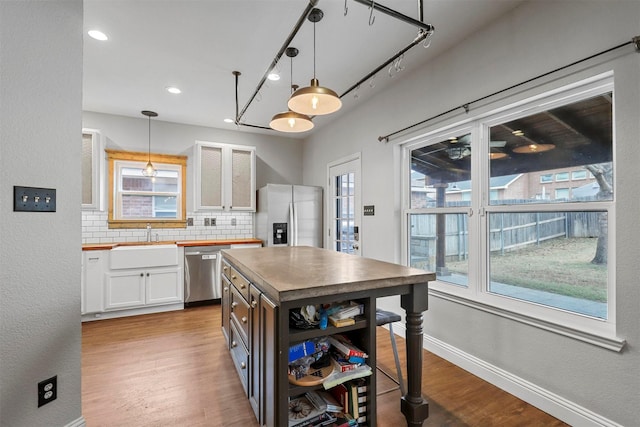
(32, 199)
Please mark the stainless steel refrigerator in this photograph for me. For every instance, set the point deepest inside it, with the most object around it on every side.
(289, 215)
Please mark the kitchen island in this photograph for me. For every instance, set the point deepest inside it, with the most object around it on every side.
(262, 285)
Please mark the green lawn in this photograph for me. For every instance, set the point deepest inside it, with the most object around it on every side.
(561, 266)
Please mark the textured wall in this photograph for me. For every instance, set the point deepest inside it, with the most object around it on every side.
(40, 146)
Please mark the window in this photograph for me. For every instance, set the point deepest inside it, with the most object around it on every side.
(547, 177)
(136, 200)
(581, 174)
(537, 249)
(562, 193)
(440, 182)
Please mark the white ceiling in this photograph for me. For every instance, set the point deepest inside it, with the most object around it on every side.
(196, 44)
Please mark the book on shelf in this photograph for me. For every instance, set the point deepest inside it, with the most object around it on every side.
(340, 393)
(339, 323)
(302, 413)
(357, 390)
(323, 400)
(344, 311)
(346, 347)
(343, 365)
(345, 420)
(336, 378)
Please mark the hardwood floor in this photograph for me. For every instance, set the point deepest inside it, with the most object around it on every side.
(171, 369)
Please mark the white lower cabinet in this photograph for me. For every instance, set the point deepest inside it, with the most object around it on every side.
(164, 286)
(138, 288)
(124, 289)
(93, 266)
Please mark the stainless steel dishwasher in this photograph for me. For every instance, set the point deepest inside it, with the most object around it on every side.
(201, 278)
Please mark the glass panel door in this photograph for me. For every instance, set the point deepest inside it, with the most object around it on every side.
(345, 206)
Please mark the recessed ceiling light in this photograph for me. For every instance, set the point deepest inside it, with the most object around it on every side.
(518, 132)
(274, 77)
(173, 89)
(228, 120)
(98, 35)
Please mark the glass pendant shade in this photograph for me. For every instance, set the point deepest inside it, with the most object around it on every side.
(314, 100)
(533, 148)
(291, 121)
(497, 155)
(149, 170)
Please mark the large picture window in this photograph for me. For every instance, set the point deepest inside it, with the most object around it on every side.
(493, 210)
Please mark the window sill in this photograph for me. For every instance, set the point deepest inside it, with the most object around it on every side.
(608, 342)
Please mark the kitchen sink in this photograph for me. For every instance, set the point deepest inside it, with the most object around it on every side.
(143, 255)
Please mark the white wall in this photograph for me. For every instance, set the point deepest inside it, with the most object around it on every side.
(532, 39)
(40, 118)
(278, 160)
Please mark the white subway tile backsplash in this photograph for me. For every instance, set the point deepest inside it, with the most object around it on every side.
(95, 228)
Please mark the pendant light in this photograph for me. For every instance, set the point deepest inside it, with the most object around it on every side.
(149, 171)
(314, 100)
(533, 148)
(290, 121)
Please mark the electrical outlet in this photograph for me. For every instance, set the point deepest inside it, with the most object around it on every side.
(233, 221)
(213, 222)
(189, 222)
(206, 222)
(47, 390)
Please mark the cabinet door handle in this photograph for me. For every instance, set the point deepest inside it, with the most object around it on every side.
(147, 274)
(141, 274)
(224, 268)
(234, 344)
(244, 319)
(233, 277)
(243, 365)
(226, 289)
(243, 286)
(254, 304)
(234, 304)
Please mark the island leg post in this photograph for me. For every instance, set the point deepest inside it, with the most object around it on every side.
(413, 406)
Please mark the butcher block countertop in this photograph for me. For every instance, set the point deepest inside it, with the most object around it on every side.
(221, 242)
(300, 272)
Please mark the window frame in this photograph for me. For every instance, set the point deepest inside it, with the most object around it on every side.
(593, 330)
(131, 157)
(96, 170)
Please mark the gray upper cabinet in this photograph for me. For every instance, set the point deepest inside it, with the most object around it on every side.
(225, 177)
(92, 169)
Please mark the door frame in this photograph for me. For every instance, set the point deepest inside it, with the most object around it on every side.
(355, 157)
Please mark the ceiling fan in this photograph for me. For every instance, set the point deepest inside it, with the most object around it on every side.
(461, 147)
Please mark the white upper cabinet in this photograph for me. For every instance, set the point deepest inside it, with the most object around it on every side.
(92, 169)
(225, 177)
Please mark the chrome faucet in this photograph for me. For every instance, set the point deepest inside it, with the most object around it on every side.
(148, 232)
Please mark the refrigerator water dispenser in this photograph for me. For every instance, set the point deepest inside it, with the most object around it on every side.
(280, 233)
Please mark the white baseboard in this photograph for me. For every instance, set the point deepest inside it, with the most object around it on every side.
(551, 403)
(80, 422)
(131, 312)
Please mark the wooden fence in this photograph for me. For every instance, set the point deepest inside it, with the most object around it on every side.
(507, 231)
